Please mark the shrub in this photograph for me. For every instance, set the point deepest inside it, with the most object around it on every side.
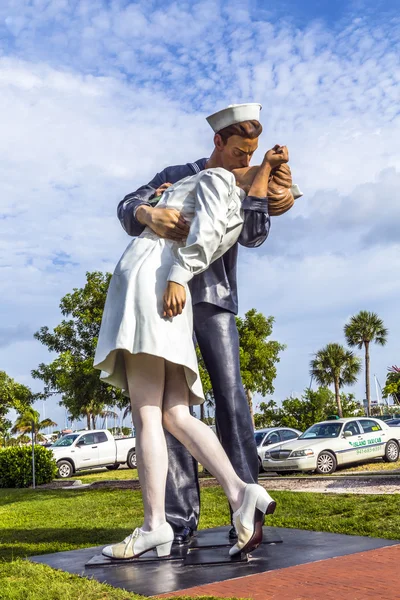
(16, 466)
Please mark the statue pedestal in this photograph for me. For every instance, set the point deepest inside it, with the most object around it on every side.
(151, 576)
(207, 547)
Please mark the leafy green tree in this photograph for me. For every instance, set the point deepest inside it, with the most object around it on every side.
(72, 374)
(392, 385)
(312, 407)
(12, 441)
(5, 426)
(30, 420)
(301, 413)
(268, 415)
(337, 366)
(23, 439)
(12, 395)
(258, 355)
(360, 331)
(350, 406)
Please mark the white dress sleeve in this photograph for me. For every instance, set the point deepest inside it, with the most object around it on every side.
(213, 193)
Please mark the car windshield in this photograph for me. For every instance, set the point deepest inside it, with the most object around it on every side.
(259, 436)
(322, 430)
(66, 440)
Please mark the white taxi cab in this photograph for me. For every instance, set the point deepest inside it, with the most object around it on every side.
(328, 444)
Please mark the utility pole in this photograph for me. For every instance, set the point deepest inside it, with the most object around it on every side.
(33, 454)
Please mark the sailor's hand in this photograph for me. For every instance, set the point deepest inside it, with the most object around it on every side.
(165, 222)
(159, 191)
(277, 156)
(174, 299)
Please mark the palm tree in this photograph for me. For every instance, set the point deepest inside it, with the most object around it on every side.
(12, 441)
(392, 385)
(31, 419)
(127, 411)
(337, 366)
(107, 414)
(362, 329)
(92, 410)
(23, 439)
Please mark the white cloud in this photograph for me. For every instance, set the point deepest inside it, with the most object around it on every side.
(95, 97)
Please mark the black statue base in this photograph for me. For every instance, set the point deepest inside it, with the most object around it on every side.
(151, 576)
(193, 556)
(207, 547)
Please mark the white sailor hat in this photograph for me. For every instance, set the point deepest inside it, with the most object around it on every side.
(234, 113)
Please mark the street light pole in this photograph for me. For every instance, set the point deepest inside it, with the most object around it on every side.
(33, 454)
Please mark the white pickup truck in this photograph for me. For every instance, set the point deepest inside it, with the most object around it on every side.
(90, 449)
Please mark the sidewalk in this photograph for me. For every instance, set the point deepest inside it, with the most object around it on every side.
(359, 576)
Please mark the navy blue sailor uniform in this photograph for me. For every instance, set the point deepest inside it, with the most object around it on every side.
(215, 304)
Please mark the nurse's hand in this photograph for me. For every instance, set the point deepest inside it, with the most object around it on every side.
(174, 299)
(159, 191)
(165, 222)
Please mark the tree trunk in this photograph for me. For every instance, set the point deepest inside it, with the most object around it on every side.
(367, 390)
(93, 422)
(202, 412)
(88, 420)
(249, 396)
(338, 401)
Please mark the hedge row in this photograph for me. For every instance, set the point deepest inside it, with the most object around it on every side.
(16, 466)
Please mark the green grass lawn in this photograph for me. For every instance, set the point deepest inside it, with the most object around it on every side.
(104, 475)
(376, 465)
(21, 580)
(43, 521)
(120, 474)
(124, 474)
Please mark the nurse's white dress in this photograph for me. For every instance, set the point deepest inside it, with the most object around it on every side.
(132, 318)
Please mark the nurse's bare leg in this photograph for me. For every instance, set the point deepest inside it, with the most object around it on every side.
(146, 377)
(196, 436)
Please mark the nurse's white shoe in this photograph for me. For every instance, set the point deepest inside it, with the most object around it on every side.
(249, 518)
(139, 542)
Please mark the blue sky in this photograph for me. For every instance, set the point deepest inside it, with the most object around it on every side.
(331, 13)
(97, 96)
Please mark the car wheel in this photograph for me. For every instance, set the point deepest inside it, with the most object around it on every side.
(113, 467)
(260, 467)
(326, 463)
(392, 452)
(65, 469)
(131, 460)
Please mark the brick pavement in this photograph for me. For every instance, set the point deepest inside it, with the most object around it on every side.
(361, 576)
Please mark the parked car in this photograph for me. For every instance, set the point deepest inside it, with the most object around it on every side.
(48, 440)
(328, 444)
(91, 449)
(393, 422)
(272, 435)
